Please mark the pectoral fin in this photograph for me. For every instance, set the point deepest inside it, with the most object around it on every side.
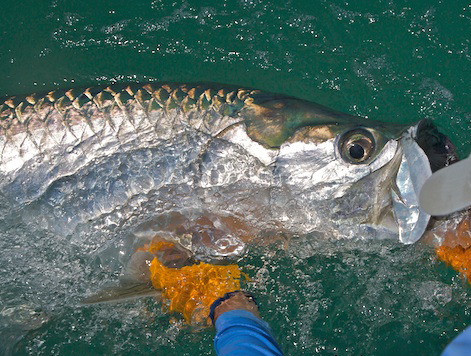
(120, 293)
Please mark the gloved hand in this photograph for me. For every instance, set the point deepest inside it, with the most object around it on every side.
(236, 300)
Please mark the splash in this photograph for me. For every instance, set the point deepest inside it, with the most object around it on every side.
(191, 290)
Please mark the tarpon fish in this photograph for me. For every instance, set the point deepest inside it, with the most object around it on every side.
(207, 166)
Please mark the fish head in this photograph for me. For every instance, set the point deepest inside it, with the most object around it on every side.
(346, 176)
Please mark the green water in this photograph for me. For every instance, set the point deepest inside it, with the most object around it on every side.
(397, 61)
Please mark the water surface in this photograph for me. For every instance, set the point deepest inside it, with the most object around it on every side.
(396, 61)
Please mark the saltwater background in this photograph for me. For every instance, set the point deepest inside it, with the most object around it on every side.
(397, 61)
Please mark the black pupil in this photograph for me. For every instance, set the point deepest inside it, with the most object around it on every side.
(356, 151)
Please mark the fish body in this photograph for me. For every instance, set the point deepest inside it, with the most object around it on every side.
(142, 156)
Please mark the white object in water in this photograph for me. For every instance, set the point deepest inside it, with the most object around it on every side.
(447, 190)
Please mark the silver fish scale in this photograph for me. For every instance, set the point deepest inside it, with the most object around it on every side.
(67, 130)
(75, 106)
(95, 163)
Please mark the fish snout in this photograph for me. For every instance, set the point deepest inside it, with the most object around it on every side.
(425, 150)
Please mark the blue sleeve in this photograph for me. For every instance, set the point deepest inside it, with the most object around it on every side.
(239, 332)
(461, 345)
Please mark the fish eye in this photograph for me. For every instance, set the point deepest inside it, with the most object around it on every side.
(357, 146)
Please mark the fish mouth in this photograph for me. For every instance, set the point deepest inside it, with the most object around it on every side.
(413, 171)
(424, 150)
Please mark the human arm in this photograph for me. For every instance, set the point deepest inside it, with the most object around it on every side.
(240, 331)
